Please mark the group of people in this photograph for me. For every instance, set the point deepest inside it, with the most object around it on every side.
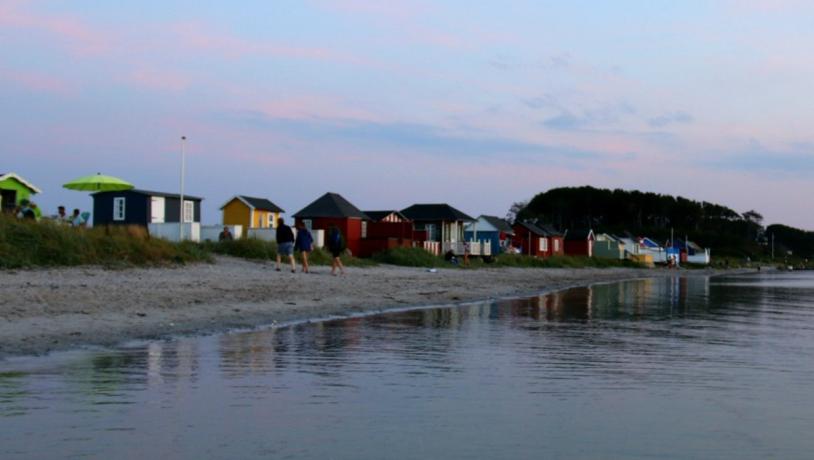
(303, 243)
(76, 219)
(28, 210)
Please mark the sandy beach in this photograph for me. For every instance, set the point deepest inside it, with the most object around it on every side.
(55, 309)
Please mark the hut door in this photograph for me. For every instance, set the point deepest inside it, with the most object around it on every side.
(157, 209)
(9, 199)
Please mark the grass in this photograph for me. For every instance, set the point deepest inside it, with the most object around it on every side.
(410, 257)
(47, 244)
(256, 249)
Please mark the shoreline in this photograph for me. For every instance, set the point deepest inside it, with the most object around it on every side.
(46, 310)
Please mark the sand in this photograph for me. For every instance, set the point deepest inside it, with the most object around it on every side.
(44, 310)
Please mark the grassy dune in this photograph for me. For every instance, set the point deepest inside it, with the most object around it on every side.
(45, 244)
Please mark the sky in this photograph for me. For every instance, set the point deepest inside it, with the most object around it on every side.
(476, 104)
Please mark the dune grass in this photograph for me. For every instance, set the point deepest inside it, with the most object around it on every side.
(48, 244)
(410, 257)
(256, 249)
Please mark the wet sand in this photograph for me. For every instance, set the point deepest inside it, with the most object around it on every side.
(55, 309)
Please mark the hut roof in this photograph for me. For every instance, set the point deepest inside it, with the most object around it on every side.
(434, 212)
(500, 224)
(153, 193)
(255, 203)
(330, 205)
(376, 216)
(4, 176)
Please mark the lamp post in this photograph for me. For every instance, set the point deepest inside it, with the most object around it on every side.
(181, 201)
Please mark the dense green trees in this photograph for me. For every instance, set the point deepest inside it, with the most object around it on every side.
(642, 213)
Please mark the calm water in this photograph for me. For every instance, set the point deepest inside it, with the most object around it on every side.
(670, 368)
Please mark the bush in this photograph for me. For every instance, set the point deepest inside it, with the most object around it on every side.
(247, 248)
(410, 257)
(49, 244)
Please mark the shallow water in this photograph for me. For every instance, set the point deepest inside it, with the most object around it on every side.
(666, 368)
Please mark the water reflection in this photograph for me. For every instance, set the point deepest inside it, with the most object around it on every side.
(481, 379)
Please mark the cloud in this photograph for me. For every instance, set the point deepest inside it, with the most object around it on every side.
(399, 136)
(597, 117)
(670, 118)
(69, 31)
(795, 160)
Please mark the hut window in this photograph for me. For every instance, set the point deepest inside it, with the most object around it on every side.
(556, 245)
(543, 244)
(118, 208)
(189, 211)
(308, 224)
(364, 229)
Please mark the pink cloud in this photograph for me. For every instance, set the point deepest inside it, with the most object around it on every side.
(35, 81)
(78, 36)
(203, 37)
(163, 80)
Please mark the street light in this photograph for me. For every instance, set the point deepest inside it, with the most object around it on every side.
(181, 203)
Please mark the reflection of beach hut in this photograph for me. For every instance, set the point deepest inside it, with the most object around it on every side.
(13, 190)
(609, 247)
(333, 209)
(383, 230)
(251, 212)
(579, 242)
(439, 223)
(491, 230)
(143, 207)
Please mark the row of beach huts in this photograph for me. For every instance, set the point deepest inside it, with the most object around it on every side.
(438, 228)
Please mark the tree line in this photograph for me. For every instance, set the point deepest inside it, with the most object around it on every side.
(658, 216)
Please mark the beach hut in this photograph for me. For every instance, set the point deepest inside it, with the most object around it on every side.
(607, 246)
(251, 212)
(579, 242)
(143, 207)
(440, 227)
(537, 240)
(383, 230)
(492, 231)
(13, 190)
(332, 209)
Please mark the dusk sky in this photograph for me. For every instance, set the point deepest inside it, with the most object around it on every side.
(390, 103)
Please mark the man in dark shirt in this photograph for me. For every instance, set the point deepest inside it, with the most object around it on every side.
(225, 235)
(285, 244)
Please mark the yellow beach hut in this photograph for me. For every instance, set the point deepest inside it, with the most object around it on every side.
(251, 212)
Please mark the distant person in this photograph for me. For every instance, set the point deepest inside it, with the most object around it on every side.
(449, 256)
(305, 244)
(336, 245)
(37, 210)
(285, 244)
(76, 219)
(226, 234)
(62, 216)
(25, 211)
(466, 253)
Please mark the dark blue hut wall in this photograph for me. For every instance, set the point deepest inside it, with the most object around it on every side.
(136, 208)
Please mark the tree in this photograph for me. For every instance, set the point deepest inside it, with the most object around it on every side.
(515, 209)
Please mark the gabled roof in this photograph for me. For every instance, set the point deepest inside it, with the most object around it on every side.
(376, 216)
(550, 230)
(261, 204)
(500, 224)
(579, 234)
(152, 193)
(330, 205)
(539, 229)
(4, 176)
(434, 212)
(533, 228)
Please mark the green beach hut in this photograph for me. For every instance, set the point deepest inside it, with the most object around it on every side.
(13, 190)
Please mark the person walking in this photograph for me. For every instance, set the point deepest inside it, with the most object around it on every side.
(285, 244)
(304, 243)
(336, 245)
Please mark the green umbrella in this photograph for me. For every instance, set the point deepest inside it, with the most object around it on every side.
(98, 183)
